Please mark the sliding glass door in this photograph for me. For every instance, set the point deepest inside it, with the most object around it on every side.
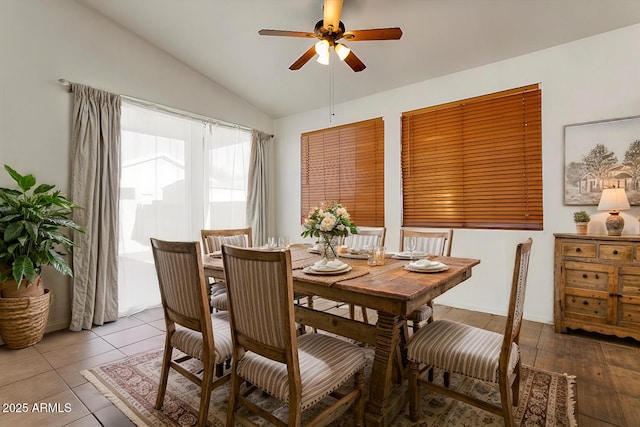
(179, 174)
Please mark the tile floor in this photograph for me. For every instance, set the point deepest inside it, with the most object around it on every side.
(47, 374)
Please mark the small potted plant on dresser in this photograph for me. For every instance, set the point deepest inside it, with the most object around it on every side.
(32, 219)
(581, 218)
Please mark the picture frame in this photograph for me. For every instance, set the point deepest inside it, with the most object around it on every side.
(601, 154)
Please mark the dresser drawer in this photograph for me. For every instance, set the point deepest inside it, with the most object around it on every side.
(616, 252)
(579, 249)
(586, 308)
(581, 275)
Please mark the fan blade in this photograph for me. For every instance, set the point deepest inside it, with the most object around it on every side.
(303, 59)
(285, 33)
(393, 33)
(354, 62)
(332, 10)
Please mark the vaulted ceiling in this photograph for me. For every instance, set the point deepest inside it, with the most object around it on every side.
(219, 39)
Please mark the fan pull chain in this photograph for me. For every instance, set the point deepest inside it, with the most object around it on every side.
(332, 111)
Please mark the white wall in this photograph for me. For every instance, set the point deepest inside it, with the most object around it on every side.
(592, 79)
(44, 40)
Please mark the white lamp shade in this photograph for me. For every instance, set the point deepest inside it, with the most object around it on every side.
(342, 51)
(322, 47)
(323, 59)
(614, 199)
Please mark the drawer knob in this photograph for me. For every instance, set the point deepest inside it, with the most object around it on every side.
(597, 276)
(615, 252)
(585, 302)
(578, 250)
(585, 275)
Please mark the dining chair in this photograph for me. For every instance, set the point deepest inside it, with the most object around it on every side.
(366, 236)
(212, 241)
(267, 353)
(473, 352)
(201, 335)
(432, 242)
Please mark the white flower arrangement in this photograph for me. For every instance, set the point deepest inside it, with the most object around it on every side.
(328, 220)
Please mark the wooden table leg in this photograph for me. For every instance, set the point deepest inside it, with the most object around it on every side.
(383, 405)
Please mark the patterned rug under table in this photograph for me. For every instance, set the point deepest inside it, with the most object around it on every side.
(546, 398)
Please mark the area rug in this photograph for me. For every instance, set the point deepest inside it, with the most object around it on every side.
(546, 398)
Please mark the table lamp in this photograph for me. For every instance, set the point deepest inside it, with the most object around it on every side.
(614, 200)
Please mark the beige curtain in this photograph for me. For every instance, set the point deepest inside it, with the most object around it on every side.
(95, 185)
(257, 187)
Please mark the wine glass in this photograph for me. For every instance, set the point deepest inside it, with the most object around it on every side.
(410, 243)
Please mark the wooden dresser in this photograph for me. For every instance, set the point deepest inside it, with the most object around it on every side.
(597, 284)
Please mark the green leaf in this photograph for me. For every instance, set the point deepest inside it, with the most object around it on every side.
(32, 229)
(13, 231)
(9, 192)
(23, 267)
(26, 182)
(15, 175)
(43, 188)
(9, 218)
(59, 263)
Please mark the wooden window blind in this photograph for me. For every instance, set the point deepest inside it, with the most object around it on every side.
(345, 164)
(475, 163)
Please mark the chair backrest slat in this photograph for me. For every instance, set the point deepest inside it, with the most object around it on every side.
(212, 240)
(181, 280)
(516, 306)
(518, 290)
(429, 241)
(260, 299)
(366, 236)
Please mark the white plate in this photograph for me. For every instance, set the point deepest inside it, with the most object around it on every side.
(426, 270)
(337, 265)
(407, 255)
(310, 270)
(354, 256)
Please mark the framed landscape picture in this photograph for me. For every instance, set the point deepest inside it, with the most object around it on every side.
(599, 155)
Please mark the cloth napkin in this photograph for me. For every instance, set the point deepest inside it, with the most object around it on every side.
(425, 264)
(323, 264)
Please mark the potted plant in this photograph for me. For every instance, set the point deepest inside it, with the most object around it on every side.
(32, 221)
(581, 218)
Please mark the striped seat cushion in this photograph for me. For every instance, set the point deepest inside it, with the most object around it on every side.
(326, 363)
(190, 342)
(218, 288)
(421, 314)
(220, 302)
(461, 349)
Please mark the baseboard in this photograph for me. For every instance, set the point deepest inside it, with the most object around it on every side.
(56, 326)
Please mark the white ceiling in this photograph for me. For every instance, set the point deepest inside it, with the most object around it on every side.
(219, 38)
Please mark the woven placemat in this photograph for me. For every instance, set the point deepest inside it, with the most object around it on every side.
(330, 279)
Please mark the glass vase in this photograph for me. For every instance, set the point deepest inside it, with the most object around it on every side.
(329, 243)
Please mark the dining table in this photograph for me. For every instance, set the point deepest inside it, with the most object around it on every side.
(390, 289)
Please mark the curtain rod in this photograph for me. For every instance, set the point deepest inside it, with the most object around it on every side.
(67, 84)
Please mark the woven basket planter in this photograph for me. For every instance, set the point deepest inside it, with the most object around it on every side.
(22, 320)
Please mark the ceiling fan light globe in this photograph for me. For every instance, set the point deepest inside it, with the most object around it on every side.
(323, 59)
(322, 48)
(342, 51)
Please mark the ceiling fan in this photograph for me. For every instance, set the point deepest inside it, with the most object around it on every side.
(329, 30)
